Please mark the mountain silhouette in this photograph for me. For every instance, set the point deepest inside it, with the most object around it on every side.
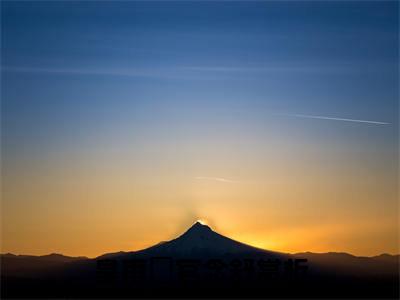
(201, 262)
(198, 241)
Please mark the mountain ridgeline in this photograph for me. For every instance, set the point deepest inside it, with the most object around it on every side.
(201, 263)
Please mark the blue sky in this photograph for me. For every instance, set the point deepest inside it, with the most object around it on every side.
(164, 82)
(335, 59)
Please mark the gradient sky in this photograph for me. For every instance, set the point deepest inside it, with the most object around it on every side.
(124, 122)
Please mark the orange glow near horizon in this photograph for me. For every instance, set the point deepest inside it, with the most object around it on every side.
(88, 205)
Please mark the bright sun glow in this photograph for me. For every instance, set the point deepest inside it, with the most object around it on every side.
(202, 222)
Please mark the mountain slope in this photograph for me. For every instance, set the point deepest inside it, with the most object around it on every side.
(199, 241)
(32, 266)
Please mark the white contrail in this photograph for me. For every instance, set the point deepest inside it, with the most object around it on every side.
(220, 179)
(335, 119)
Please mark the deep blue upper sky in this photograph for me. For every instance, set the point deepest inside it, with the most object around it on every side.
(73, 69)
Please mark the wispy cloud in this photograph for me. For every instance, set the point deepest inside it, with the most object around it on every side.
(272, 68)
(220, 179)
(88, 71)
(182, 72)
(335, 119)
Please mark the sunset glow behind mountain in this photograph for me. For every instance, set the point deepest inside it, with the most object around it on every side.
(275, 123)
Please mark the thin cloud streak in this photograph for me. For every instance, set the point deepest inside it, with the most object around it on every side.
(335, 119)
(103, 72)
(181, 72)
(283, 68)
(220, 179)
